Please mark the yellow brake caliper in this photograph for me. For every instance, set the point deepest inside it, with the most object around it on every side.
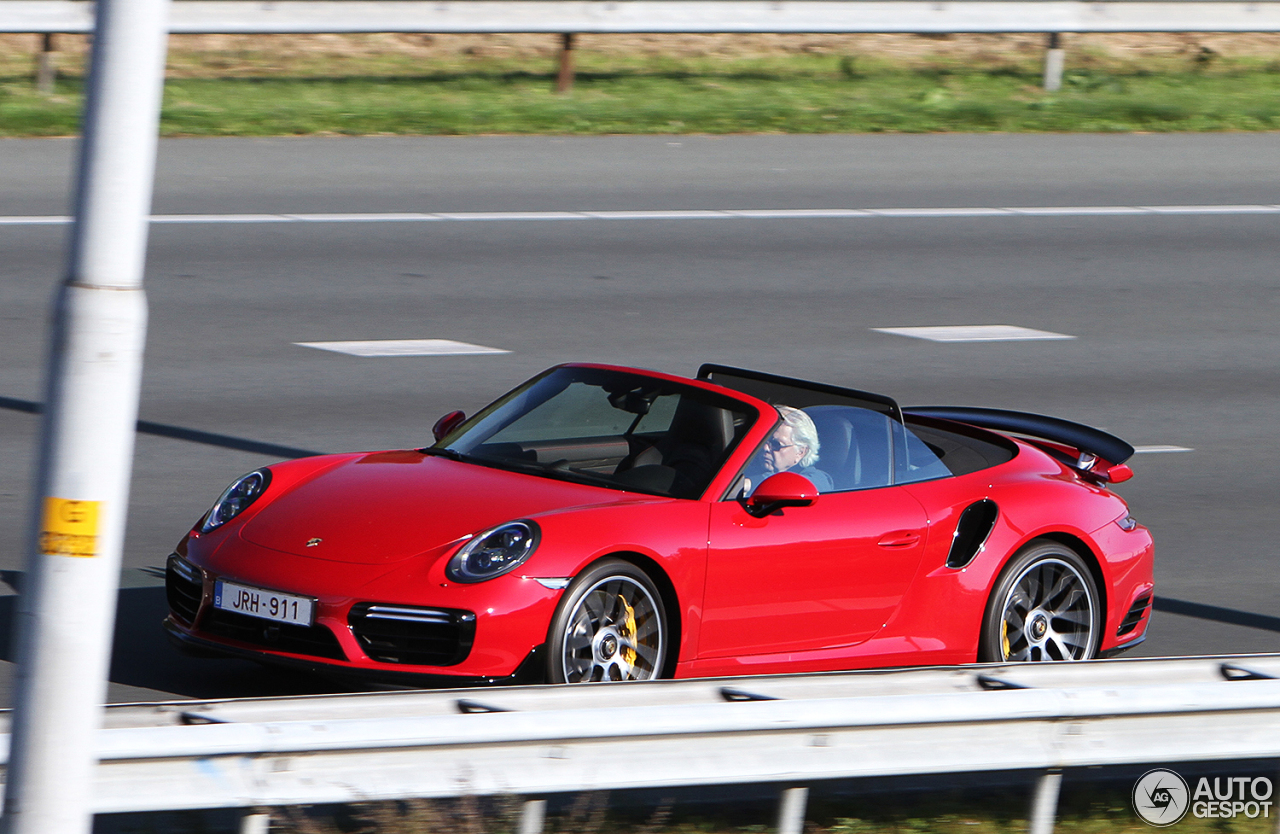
(628, 630)
(1004, 637)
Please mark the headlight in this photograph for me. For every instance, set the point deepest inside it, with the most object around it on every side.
(236, 498)
(494, 552)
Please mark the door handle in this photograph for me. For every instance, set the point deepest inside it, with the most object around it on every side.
(899, 538)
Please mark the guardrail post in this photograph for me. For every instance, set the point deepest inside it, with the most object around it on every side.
(791, 808)
(533, 813)
(255, 822)
(46, 70)
(564, 81)
(1054, 59)
(1044, 808)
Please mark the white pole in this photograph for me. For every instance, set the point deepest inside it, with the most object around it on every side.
(86, 444)
(255, 822)
(791, 810)
(533, 816)
(1044, 805)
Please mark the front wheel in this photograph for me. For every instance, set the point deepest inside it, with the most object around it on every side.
(610, 626)
(1045, 606)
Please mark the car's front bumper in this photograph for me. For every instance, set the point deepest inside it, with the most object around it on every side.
(531, 670)
(471, 634)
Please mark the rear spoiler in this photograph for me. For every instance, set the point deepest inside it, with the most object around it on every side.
(1090, 441)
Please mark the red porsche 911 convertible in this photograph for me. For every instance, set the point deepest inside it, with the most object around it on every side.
(602, 523)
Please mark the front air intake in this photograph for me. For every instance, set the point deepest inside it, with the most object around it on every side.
(410, 635)
(313, 641)
(183, 587)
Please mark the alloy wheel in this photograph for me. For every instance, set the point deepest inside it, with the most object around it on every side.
(1048, 614)
(614, 633)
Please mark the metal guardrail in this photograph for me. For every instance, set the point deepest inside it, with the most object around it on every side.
(669, 16)
(571, 17)
(533, 741)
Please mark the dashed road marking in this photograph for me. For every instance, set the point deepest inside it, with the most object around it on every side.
(1153, 450)
(974, 333)
(404, 347)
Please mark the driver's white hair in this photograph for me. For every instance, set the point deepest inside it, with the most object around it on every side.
(803, 431)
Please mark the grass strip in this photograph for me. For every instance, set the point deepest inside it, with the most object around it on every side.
(1085, 809)
(790, 93)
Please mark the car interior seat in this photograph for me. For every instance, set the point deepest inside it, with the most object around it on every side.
(683, 462)
(697, 439)
(856, 445)
(838, 448)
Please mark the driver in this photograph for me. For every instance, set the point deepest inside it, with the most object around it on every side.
(793, 447)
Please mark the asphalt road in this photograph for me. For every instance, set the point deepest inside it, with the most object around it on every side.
(1174, 316)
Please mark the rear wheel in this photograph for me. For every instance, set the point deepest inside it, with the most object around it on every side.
(610, 626)
(1045, 607)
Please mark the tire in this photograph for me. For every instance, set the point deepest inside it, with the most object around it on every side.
(1045, 607)
(610, 625)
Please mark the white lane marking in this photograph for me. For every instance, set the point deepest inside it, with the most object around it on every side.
(974, 333)
(404, 347)
(1087, 211)
(1210, 209)
(34, 220)
(691, 214)
(491, 216)
(798, 214)
(221, 219)
(942, 212)
(1153, 450)
(709, 214)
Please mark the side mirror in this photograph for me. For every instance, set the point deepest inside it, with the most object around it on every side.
(446, 424)
(786, 489)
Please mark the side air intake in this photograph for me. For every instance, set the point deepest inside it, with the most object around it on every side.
(976, 523)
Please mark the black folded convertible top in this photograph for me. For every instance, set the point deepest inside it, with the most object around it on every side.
(1085, 438)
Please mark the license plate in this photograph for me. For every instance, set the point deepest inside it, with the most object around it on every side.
(264, 604)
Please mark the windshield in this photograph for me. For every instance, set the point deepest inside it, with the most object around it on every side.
(607, 427)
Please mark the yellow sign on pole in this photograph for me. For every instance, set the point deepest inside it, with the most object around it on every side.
(70, 528)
